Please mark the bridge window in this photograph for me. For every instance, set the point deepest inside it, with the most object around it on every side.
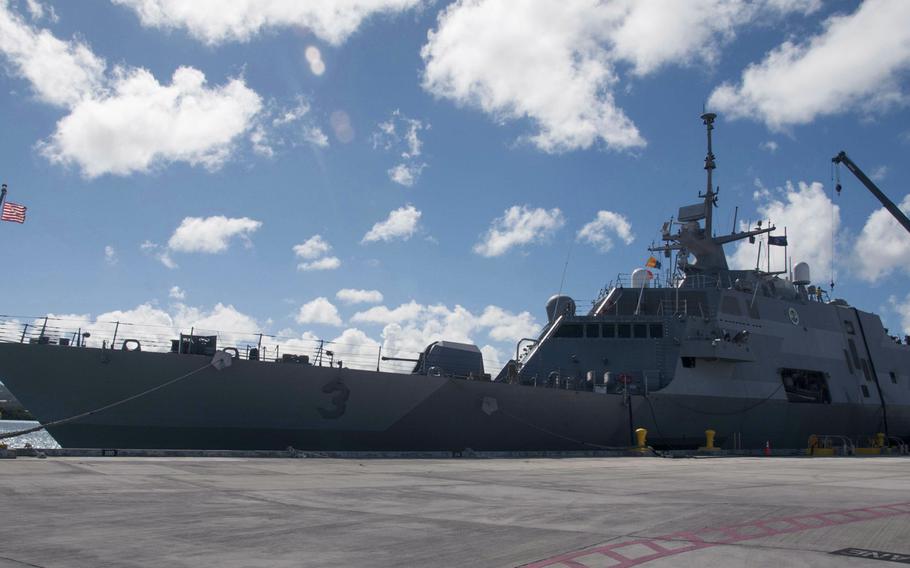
(657, 330)
(848, 325)
(640, 330)
(609, 330)
(592, 330)
(893, 377)
(569, 330)
(624, 331)
(865, 390)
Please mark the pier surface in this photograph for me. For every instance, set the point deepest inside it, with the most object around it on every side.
(227, 512)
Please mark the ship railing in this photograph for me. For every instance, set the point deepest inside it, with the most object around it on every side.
(353, 350)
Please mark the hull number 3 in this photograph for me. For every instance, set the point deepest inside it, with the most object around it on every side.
(339, 401)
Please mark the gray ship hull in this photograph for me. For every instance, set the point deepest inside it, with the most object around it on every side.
(256, 405)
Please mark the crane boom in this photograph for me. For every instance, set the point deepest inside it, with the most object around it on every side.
(842, 158)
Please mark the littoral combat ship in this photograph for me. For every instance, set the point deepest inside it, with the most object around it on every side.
(760, 357)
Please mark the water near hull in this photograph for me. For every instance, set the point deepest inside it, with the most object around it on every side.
(39, 439)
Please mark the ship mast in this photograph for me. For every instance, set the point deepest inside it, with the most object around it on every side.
(709, 195)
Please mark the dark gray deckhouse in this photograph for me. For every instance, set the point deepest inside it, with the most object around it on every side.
(758, 356)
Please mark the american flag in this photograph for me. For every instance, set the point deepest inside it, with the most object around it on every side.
(13, 212)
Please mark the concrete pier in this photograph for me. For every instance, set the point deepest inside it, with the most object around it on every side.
(227, 512)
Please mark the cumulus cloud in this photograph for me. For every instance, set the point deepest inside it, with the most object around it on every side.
(382, 314)
(159, 252)
(110, 255)
(401, 224)
(61, 73)
(597, 231)
(315, 136)
(406, 174)
(313, 248)
(519, 226)
(155, 327)
(125, 120)
(211, 234)
(140, 123)
(902, 309)
(286, 126)
(213, 21)
(418, 325)
(770, 146)
(402, 135)
(883, 245)
(857, 61)
(176, 293)
(320, 311)
(354, 296)
(808, 214)
(325, 263)
(555, 61)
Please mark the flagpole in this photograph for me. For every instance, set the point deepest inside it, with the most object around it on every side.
(2, 195)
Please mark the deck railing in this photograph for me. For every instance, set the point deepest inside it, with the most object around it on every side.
(356, 352)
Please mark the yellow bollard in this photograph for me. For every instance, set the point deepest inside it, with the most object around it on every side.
(641, 435)
(709, 442)
(709, 439)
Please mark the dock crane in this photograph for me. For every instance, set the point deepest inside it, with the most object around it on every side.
(842, 158)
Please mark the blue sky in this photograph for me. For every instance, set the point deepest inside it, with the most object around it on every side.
(448, 156)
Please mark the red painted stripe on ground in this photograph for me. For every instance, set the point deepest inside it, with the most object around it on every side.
(698, 539)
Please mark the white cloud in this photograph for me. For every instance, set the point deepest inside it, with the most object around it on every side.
(155, 327)
(406, 174)
(354, 296)
(61, 73)
(506, 326)
(883, 246)
(771, 146)
(176, 293)
(325, 263)
(124, 121)
(110, 255)
(260, 141)
(211, 234)
(902, 309)
(159, 252)
(313, 247)
(315, 136)
(321, 311)
(213, 21)
(879, 173)
(519, 226)
(808, 214)
(314, 58)
(555, 61)
(596, 232)
(419, 325)
(401, 224)
(402, 134)
(140, 123)
(39, 11)
(382, 314)
(856, 62)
